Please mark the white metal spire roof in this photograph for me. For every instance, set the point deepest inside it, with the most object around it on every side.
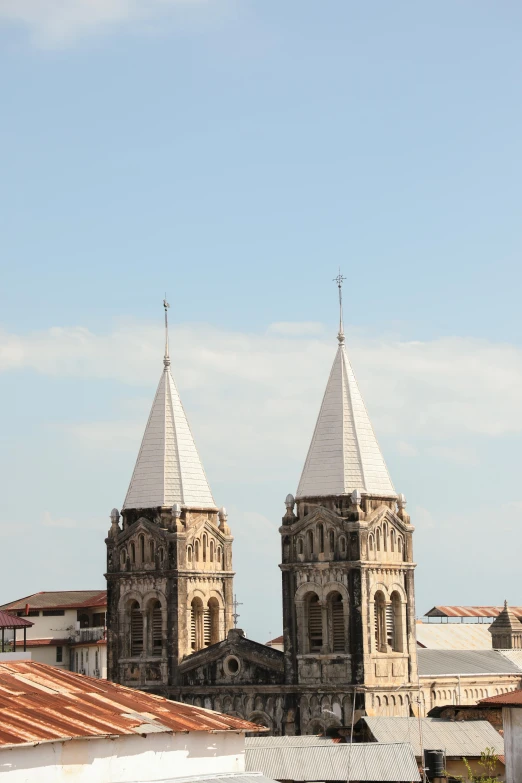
(168, 469)
(344, 454)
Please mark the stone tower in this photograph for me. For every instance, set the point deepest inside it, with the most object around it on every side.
(347, 565)
(169, 565)
(506, 630)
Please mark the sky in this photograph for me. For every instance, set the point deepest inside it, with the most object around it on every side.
(234, 154)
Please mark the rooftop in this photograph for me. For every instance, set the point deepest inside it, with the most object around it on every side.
(44, 703)
(10, 621)
(453, 636)
(59, 599)
(440, 662)
(330, 761)
(344, 454)
(470, 611)
(458, 738)
(168, 469)
(513, 699)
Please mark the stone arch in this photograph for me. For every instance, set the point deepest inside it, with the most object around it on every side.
(260, 718)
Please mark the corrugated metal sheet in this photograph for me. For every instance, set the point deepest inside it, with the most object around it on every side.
(287, 742)
(513, 699)
(453, 636)
(364, 761)
(458, 738)
(60, 599)
(432, 663)
(470, 611)
(233, 777)
(11, 621)
(513, 655)
(40, 702)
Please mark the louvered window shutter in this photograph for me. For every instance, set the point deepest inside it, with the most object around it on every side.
(315, 627)
(136, 632)
(338, 626)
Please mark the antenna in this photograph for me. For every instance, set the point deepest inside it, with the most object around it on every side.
(340, 280)
(166, 358)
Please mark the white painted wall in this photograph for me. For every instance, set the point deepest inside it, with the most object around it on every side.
(126, 759)
(86, 654)
(512, 720)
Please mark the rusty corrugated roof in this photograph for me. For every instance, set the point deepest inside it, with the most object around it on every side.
(512, 699)
(470, 611)
(43, 703)
(59, 599)
(12, 621)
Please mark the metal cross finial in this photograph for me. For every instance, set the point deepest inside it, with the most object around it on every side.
(166, 358)
(340, 280)
(235, 615)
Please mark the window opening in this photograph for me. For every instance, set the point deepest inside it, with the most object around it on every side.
(315, 624)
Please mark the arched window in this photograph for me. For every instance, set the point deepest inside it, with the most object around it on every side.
(189, 555)
(336, 622)
(205, 542)
(196, 550)
(212, 551)
(196, 624)
(133, 552)
(321, 538)
(310, 542)
(300, 546)
(385, 537)
(379, 621)
(161, 555)
(400, 544)
(156, 631)
(152, 551)
(218, 557)
(370, 545)
(142, 549)
(397, 629)
(315, 624)
(392, 540)
(378, 539)
(136, 629)
(342, 545)
(123, 557)
(331, 543)
(213, 609)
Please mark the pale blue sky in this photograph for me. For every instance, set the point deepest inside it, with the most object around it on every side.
(234, 154)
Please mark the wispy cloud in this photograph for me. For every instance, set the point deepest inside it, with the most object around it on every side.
(50, 521)
(56, 23)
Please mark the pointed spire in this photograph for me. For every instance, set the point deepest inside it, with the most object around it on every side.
(168, 470)
(344, 454)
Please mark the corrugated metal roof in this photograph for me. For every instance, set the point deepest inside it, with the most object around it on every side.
(453, 636)
(456, 737)
(286, 742)
(470, 611)
(60, 599)
(43, 703)
(432, 663)
(42, 642)
(514, 698)
(344, 454)
(364, 761)
(513, 655)
(12, 621)
(233, 777)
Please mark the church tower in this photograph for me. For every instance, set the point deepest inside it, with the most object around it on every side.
(169, 564)
(347, 566)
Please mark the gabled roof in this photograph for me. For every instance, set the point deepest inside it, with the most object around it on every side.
(168, 469)
(513, 699)
(59, 599)
(433, 663)
(322, 760)
(40, 702)
(344, 454)
(458, 738)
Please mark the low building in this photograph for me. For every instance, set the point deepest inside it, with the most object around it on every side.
(464, 676)
(60, 726)
(511, 705)
(458, 739)
(309, 758)
(68, 629)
